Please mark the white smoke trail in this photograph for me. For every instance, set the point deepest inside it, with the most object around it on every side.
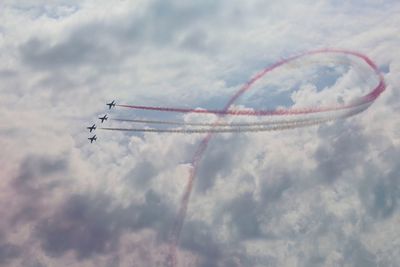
(262, 126)
(218, 124)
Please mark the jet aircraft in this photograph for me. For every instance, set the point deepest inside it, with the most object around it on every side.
(91, 128)
(104, 118)
(110, 105)
(93, 138)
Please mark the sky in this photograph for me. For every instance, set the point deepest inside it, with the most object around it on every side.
(326, 195)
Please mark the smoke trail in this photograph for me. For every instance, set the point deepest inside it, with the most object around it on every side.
(222, 130)
(283, 120)
(175, 233)
(298, 115)
(239, 112)
(369, 97)
(232, 124)
(249, 127)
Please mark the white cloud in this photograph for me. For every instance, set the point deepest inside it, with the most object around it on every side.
(319, 196)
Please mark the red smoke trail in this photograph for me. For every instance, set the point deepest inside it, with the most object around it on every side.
(251, 127)
(229, 124)
(258, 126)
(238, 112)
(175, 233)
(357, 106)
(226, 111)
(225, 130)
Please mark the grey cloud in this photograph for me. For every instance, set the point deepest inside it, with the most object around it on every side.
(380, 190)
(94, 43)
(167, 18)
(341, 149)
(385, 199)
(314, 250)
(77, 50)
(37, 166)
(36, 169)
(90, 224)
(315, 261)
(31, 262)
(38, 176)
(81, 224)
(8, 73)
(154, 213)
(220, 158)
(54, 10)
(196, 40)
(200, 238)
(292, 215)
(8, 252)
(142, 173)
(273, 191)
(244, 213)
(197, 237)
(356, 254)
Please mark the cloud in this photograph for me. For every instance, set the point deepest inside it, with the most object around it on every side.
(380, 193)
(160, 26)
(91, 224)
(319, 196)
(219, 161)
(346, 148)
(142, 173)
(8, 252)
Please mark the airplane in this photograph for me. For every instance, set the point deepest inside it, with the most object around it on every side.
(110, 105)
(91, 128)
(104, 118)
(93, 138)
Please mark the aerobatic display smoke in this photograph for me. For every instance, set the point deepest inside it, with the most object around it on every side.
(263, 126)
(267, 120)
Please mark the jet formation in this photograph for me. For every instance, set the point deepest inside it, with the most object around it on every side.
(102, 119)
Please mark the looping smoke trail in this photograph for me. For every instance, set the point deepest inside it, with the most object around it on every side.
(223, 130)
(175, 233)
(227, 124)
(239, 126)
(283, 120)
(237, 112)
(255, 127)
(340, 111)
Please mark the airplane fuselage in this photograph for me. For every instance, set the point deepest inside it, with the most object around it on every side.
(91, 128)
(93, 138)
(110, 105)
(104, 118)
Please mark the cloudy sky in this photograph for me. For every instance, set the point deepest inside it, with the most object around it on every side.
(318, 196)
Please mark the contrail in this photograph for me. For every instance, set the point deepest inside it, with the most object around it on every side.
(298, 118)
(202, 124)
(222, 130)
(284, 120)
(175, 233)
(239, 112)
(250, 127)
